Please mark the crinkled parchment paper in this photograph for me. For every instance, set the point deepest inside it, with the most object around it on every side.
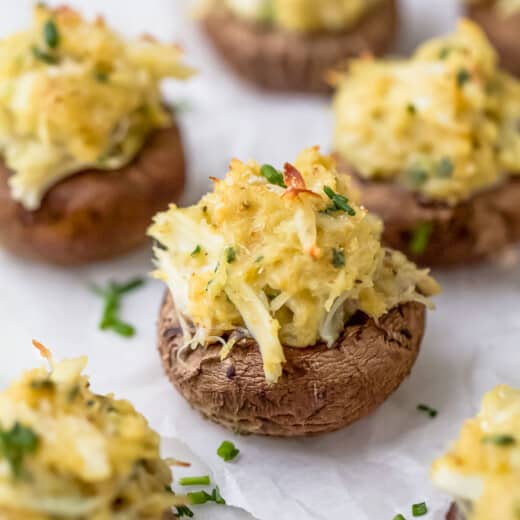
(371, 471)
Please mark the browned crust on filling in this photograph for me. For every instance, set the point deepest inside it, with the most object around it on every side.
(94, 215)
(503, 31)
(470, 231)
(278, 59)
(321, 390)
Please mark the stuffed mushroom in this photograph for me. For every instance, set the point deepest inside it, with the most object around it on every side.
(89, 151)
(434, 143)
(291, 45)
(501, 21)
(69, 453)
(284, 315)
(481, 471)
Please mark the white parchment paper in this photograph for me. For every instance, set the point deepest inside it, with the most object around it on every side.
(370, 471)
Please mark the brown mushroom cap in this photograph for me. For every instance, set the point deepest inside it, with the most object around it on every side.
(503, 31)
(321, 390)
(94, 215)
(467, 232)
(278, 59)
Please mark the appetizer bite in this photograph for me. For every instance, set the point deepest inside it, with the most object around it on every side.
(68, 453)
(89, 150)
(501, 21)
(482, 469)
(292, 44)
(285, 315)
(434, 142)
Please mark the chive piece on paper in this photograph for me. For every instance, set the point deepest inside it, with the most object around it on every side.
(419, 509)
(227, 451)
(195, 481)
(428, 410)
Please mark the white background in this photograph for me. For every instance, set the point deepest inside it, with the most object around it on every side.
(373, 470)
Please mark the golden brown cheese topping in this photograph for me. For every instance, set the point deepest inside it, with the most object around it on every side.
(504, 7)
(289, 256)
(74, 94)
(482, 469)
(303, 15)
(444, 123)
(68, 453)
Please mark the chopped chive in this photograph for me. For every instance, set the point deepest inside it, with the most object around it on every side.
(112, 296)
(259, 259)
(101, 76)
(196, 251)
(184, 511)
(231, 255)
(419, 509)
(339, 202)
(444, 53)
(410, 108)
(272, 175)
(499, 440)
(15, 444)
(399, 517)
(463, 76)
(445, 168)
(51, 34)
(338, 258)
(195, 481)
(428, 409)
(43, 56)
(420, 238)
(202, 497)
(227, 451)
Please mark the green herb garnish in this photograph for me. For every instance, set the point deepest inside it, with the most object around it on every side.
(499, 440)
(201, 497)
(338, 258)
(101, 76)
(51, 34)
(420, 238)
(184, 511)
(445, 168)
(272, 175)
(259, 259)
(195, 481)
(416, 175)
(15, 444)
(339, 202)
(112, 296)
(463, 76)
(196, 251)
(428, 409)
(444, 52)
(410, 108)
(399, 517)
(227, 451)
(231, 255)
(419, 509)
(43, 56)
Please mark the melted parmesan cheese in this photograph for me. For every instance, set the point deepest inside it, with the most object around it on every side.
(482, 469)
(303, 15)
(93, 457)
(444, 123)
(73, 94)
(279, 261)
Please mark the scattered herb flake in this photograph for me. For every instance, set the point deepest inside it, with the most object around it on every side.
(338, 258)
(15, 444)
(43, 56)
(202, 497)
(227, 451)
(463, 76)
(339, 202)
(195, 481)
(196, 251)
(399, 517)
(420, 238)
(272, 175)
(428, 409)
(499, 440)
(231, 255)
(444, 53)
(259, 259)
(101, 76)
(445, 168)
(184, 511)
(419, 509)
(410, 108)
(416, 175)
(51, 34)
(112, 296)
